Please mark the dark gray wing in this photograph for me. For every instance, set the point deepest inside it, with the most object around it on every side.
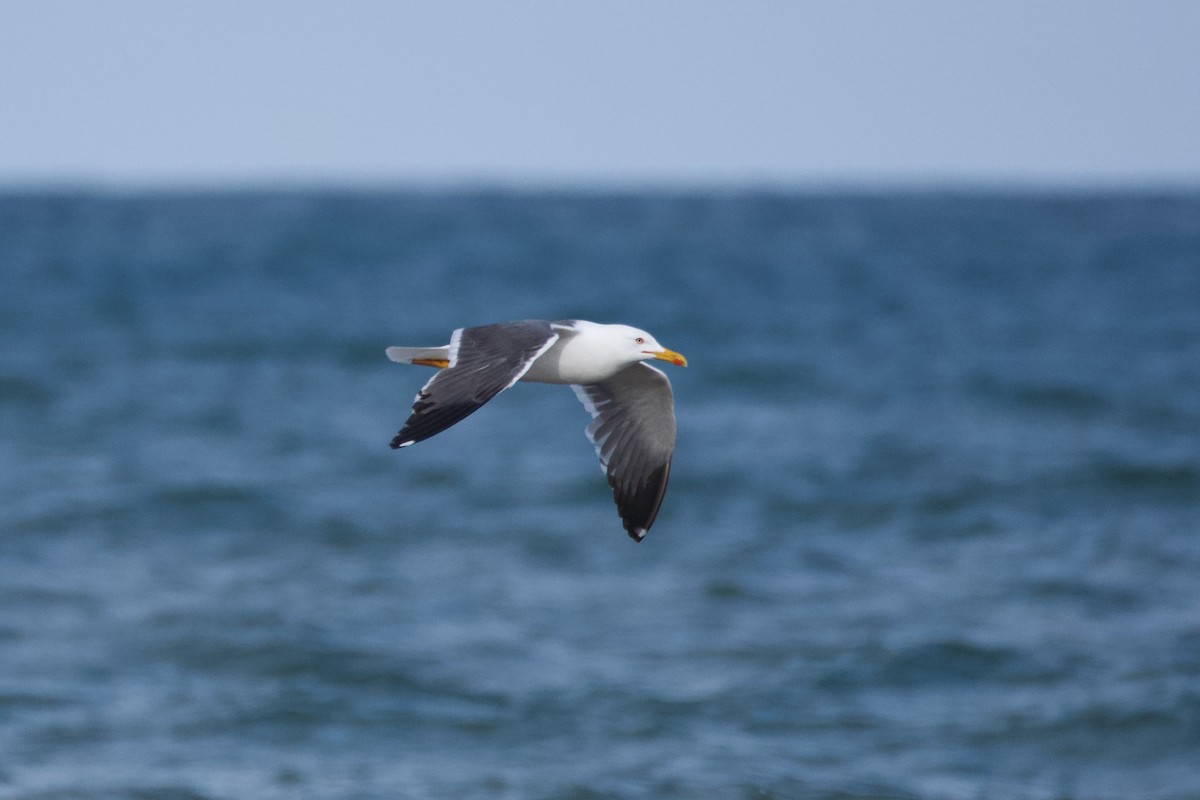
(633, 428)
(484, 361)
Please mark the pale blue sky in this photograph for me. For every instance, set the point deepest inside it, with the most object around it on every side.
(558, 91)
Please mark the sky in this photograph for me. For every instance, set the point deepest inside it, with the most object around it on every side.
(144, 92)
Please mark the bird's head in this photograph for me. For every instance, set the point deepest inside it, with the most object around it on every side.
(644, 347)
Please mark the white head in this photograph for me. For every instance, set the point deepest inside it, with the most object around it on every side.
(642, 346)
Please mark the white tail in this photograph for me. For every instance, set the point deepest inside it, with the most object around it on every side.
(407, 355)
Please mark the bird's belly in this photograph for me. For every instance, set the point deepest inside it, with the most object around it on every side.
(550, 371)
(568, 363)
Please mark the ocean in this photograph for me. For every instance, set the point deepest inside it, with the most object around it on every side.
(932, 533)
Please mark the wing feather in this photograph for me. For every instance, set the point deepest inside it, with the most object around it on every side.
(633, 429)
(484, 361)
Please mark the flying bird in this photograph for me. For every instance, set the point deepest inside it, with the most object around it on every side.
(633, 414)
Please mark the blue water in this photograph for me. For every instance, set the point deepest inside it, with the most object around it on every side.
(933, 529)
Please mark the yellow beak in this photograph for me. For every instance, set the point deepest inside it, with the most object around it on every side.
(672, 356)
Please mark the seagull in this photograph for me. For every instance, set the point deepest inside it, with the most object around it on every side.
(632, 408)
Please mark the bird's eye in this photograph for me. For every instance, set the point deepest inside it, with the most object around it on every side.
(640, 340)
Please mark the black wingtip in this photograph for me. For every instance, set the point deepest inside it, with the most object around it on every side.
(639, 508)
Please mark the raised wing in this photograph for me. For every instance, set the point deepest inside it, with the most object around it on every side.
(633, 429)
(484, 361)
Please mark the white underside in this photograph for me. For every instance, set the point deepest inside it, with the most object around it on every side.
(577, 358)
